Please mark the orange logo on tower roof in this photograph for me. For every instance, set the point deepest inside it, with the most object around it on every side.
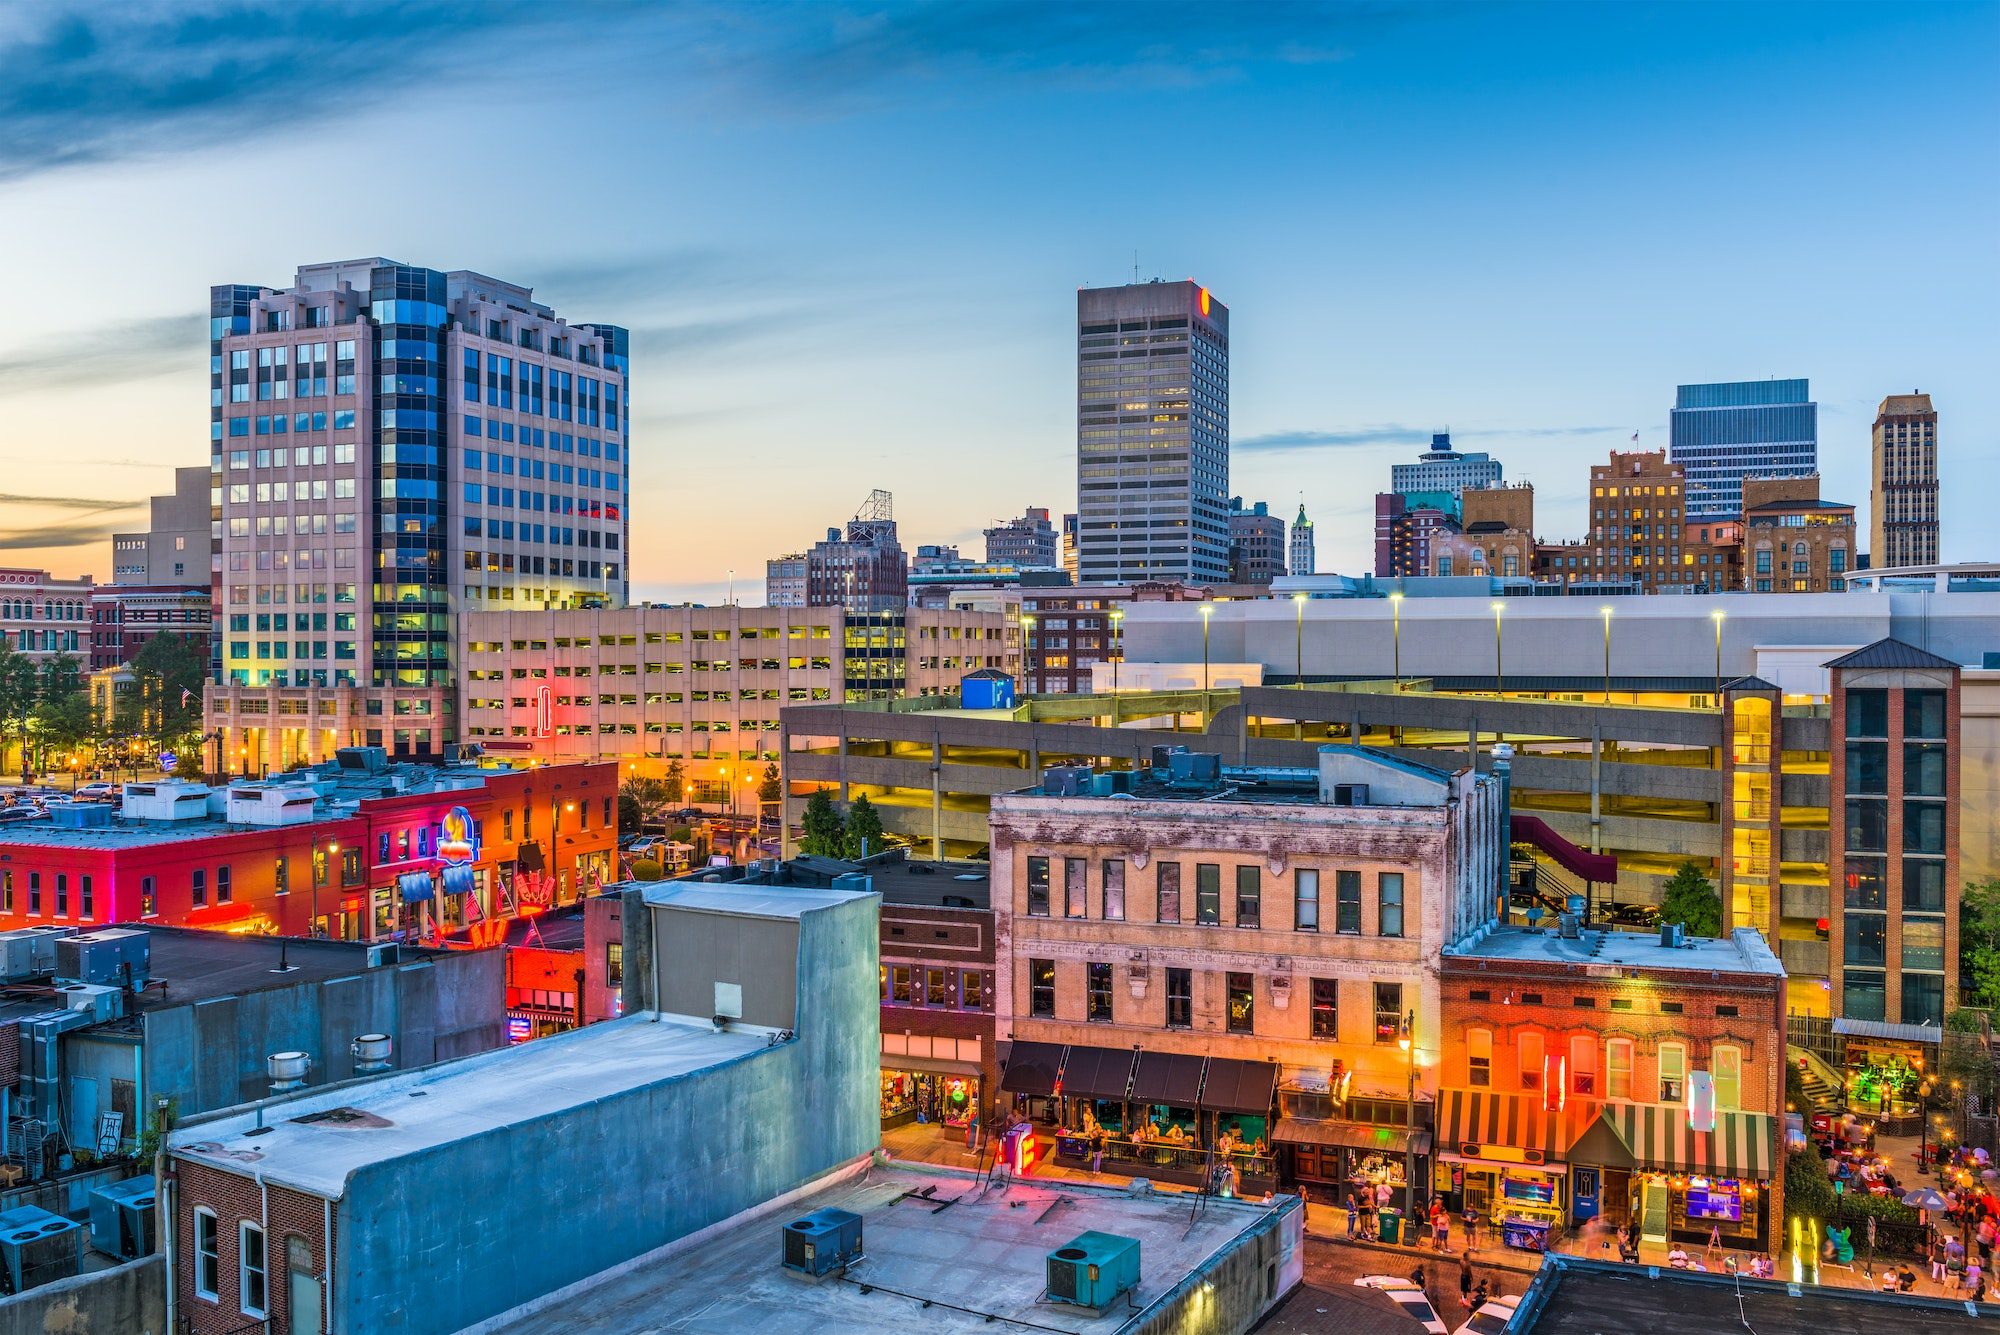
(1204, 302)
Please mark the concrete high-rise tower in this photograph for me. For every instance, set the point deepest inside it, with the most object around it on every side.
(1903, 484)
(1304, 556)
(1152, 435)
(1723, 433)
(392, 445)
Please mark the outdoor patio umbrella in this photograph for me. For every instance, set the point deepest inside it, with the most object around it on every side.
(1925, 1198)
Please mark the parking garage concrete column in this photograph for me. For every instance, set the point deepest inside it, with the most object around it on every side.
(937, 793)
(1596, 785)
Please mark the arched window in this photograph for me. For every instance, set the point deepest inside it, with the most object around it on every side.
(1528, 1047)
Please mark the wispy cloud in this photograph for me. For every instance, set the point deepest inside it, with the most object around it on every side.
(88, 84)
(93, 504)
(128, 350)
(1272, 442)
(48, 537)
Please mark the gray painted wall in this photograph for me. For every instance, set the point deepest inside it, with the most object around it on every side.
(516, 1212)
(696, 950)
(130, 1299)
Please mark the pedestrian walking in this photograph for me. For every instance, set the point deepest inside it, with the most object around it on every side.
(1097, 1150)
(1465, 1280)
(1353, 1215)
(1471, 1221)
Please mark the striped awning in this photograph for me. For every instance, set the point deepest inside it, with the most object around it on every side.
(1742, 1146)
(1482, 1124)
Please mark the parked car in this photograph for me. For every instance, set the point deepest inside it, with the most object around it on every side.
(8, 815)
(100, 791)
(647, 846)
(1492, 1317)
(1408, 1297)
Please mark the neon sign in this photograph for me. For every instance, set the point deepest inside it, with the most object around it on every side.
(544, 712)
(457, 851)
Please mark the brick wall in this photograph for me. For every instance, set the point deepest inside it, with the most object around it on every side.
(234, 1200)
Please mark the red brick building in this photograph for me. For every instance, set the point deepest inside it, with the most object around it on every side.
(564, 967)
(938, 1059)
(1613, 1075)
(365, 859)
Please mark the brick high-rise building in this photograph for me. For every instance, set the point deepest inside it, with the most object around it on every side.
(1256, 543)
(392, 446)
(1027, 543)
(1794, 542)
(1903, 484)
(1152, 435)
(1636, 515)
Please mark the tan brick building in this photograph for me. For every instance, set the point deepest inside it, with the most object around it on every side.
(1794, 542)
(1637, 507)
(1212, 951)
(1614, 1075)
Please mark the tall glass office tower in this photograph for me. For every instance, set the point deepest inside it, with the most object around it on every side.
(1152, 435)
(1749, 428)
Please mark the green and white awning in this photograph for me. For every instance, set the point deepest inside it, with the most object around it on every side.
(1742, 1146)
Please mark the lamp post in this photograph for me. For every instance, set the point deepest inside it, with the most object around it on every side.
(1117, 650)
(726, 788)
(73, 762)
(1498, 607)
(1396, 637)
(1717, 616)
(1607, 653)
(1027, 651)
(1408, 1042)
(1207, 611)
(1299, 642)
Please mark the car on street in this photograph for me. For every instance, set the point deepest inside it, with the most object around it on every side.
(1407, 1296)
(100, 791)
(1492, 1317)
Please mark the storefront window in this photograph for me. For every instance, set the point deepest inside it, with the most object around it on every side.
(1242, 1004)
(1325, 1008)
(1618, 1069)
(1207, 894)
(1114, 889)
(1388, 1012)
(1180, 999)
(1038, 887)
(1099, 994)
(1168, 881)
(1305, 900)
(1042, 988)
(1673, 1072)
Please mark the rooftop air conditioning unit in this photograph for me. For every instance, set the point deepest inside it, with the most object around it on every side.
(1569, 927)
(822, 1242)
(1066, 781)
(1194, 769)
(1095, 1270)
(1673, 935)
(287, 1070)
(1161, 758)
(37, 1247)
(121, 1218)
(104, 1004)
(1348, 794)
(112, 957)
(28, 951)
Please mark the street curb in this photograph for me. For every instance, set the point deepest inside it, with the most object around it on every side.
(1491, 1261)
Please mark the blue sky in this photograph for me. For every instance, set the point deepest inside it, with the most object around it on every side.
(847, 237)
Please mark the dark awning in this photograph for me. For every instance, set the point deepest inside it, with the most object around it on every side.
(1239, 1086)
(1351, 1135)
(1171, 1078)
(528, 857)
(1032, 1068)
(1097, 1073)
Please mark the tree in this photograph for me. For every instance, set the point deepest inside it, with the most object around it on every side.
(676, 781)
(1979, 942)
(643, 801)
(646, 869)
(773, 788)
(167, 678)
(18, 688)
(824, 833)
(864, 828)
(1692, 901)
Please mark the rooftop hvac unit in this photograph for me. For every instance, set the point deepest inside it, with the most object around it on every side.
(1194, 769)
(287, 1070)
(1673, 935)
(1161, 758)
(384, 955)
(822, 1242)
(366, 759)
(1347, 794)
(114, 957)
(121, 1218)
(1066, 781)
(103, 1004)
(1111, 783)
(28, 951)
(1095, 1270)
(37, 1247)
(81, 816)
(371, 1052)
(1569, 926)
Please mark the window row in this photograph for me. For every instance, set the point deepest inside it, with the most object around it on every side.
(1109, 895)
(1583, 1069)
(947, 989)
(1100, 1003)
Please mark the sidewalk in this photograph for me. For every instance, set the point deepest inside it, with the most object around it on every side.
(1327, 1224)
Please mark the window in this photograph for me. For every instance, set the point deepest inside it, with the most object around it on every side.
(62, 894)
(1305, 900)
(1673, 1072)
(88, 908)
(1098, 993)
(1867, 713)
(1867, 940)
(1726, 1065)
(1388, 1012)
(1582, 1064)
(1923, 715)
(1479, 1058)
(34, 892)
(207, 1256)
(198, 887)
(251, 1269)
(1042, 988)
(1389, 890)
(1207, 893)
(972, 989)
(1923, 998)
(1168, 881)
(7, 891)
(1863, 994)
(1249, 895)
(149, 899)
(1242, 1003)
(614, 963)
(937, 988)
(1114, 889)
(1528, 1048)
(1076, 888)
(1180, 999)
(1326, 1008)
(1618, 1069)
(1038, 887)
(222, 891)
(1349, 904)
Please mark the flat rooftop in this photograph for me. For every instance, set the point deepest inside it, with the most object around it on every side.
(1742, 951)
(399, 1115)
(1596, 1297)
(754, 899)
(974, 1265)
(898, 878)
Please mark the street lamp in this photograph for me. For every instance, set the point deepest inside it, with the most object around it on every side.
(1498, 607)
(1027, 650)
(1299, 642)
(1408, 1043)
(1717, 616)
(1607, 653)
(727, 788)
(1117, 647)
(1396, 636)
(1207, 611)
(72, 773)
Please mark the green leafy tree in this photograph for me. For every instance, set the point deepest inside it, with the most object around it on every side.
(643, 801)
(20, 686)
(1690, 899)
(773, 788)
(676, 781)
(824, 833)
(167, 680)
(864, 828)
(1979, 942)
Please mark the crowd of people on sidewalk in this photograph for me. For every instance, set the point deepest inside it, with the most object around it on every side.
(1368, 1208)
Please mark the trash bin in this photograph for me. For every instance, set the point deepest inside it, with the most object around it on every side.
(1389, 1224)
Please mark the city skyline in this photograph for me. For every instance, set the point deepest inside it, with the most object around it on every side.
(1396, 261)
